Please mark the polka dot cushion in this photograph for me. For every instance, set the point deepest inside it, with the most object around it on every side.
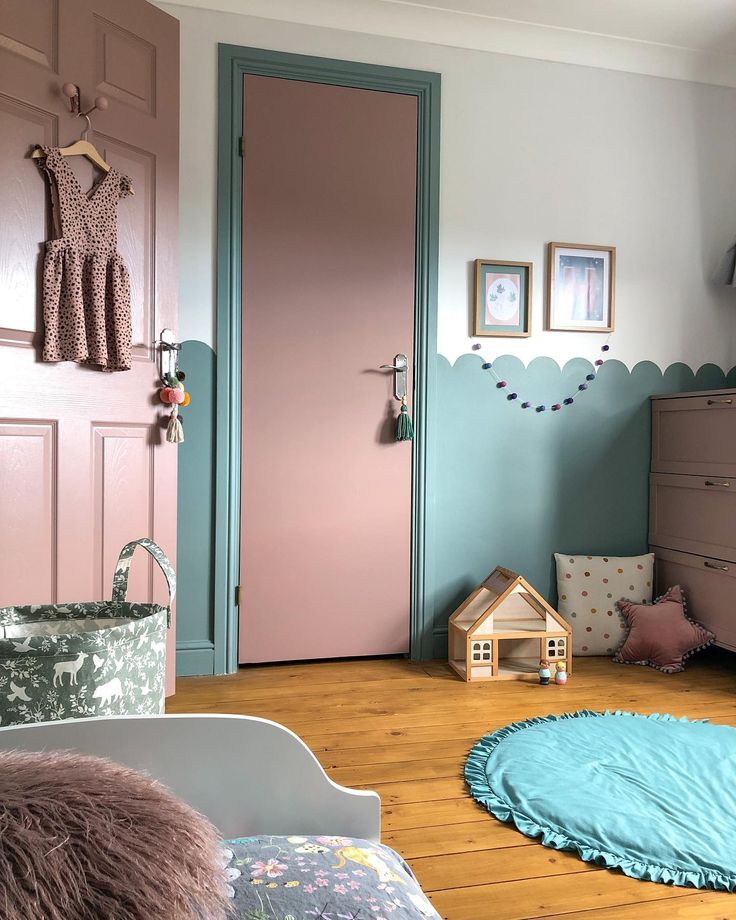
(588, 588)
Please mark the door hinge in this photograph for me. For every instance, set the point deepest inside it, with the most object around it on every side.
(241, 146)
(237, 595)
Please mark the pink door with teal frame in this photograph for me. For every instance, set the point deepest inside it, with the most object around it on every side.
(329, 240)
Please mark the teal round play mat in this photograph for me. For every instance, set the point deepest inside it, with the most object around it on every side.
(650, 795)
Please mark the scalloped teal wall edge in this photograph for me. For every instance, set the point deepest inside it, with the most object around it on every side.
(505, 485)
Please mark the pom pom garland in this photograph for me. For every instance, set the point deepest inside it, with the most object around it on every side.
(526, 404)
(173, 393)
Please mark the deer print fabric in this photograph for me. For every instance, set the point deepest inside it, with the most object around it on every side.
(63, 661)
(59, 670)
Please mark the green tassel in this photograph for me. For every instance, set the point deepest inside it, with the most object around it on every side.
(404, 427)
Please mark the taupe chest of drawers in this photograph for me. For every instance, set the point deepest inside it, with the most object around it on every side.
(692, 504)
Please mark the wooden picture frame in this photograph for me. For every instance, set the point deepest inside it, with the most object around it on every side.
(509, 286)
(583, 299)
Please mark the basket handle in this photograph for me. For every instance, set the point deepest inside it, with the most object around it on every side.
(120, 578)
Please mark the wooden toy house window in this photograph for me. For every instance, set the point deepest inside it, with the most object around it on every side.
(481, 651)
(556, 648)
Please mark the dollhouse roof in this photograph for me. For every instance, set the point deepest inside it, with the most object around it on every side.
(506, 603)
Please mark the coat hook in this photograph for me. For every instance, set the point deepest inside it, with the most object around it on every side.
(73, 93)
(101, 104)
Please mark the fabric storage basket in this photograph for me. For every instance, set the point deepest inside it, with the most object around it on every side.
(65, 661)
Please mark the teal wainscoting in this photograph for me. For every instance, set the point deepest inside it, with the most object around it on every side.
(512, 486)
(196, 500)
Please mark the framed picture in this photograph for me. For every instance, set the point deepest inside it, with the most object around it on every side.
(580, 287)
(503, 303)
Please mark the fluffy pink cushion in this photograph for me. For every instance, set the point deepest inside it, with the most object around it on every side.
(85, 839)
(661, 634)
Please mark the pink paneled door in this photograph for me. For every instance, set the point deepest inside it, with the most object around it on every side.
(83, 464)
(328, 296)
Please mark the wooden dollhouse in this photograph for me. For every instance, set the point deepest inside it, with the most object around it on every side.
(503, 629)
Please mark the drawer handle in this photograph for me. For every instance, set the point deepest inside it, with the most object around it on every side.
(716, 565)
(720, 402)
(722, 485)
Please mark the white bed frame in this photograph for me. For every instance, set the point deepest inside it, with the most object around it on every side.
(247, 775)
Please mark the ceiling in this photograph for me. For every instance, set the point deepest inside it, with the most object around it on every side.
(706, 25)
(681, 39)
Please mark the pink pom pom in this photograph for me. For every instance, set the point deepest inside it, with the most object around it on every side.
(164, 394)
(177, 396)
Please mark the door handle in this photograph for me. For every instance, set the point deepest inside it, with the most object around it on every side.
(722, 485)
(400, 368)
(715, 565)
(720, 402)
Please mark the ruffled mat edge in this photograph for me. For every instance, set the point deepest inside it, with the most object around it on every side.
(478, 784)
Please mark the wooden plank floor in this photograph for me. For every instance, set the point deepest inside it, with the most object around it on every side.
(403, 728)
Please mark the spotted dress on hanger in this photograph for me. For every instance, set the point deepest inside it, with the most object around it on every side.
(86, 286)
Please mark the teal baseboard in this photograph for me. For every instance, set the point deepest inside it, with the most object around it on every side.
(439, 642)
(195, 658)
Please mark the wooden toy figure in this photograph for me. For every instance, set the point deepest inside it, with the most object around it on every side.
(560, 673)
(544, 672)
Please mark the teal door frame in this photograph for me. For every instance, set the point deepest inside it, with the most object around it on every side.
(234, 63)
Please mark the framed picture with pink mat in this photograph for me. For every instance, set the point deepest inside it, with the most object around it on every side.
(502, 305)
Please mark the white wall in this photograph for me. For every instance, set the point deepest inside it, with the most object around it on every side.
(532, 151)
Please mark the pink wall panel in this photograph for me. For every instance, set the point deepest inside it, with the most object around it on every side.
(123, 501)
(27, 512)
(328, 296)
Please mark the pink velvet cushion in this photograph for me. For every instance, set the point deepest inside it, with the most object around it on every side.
(661, 634)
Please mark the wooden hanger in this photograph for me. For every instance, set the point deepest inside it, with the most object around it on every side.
(82, 147)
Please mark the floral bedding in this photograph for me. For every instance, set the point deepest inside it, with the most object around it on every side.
(321, 878)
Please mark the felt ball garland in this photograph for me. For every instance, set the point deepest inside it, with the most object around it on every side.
(555, 407)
